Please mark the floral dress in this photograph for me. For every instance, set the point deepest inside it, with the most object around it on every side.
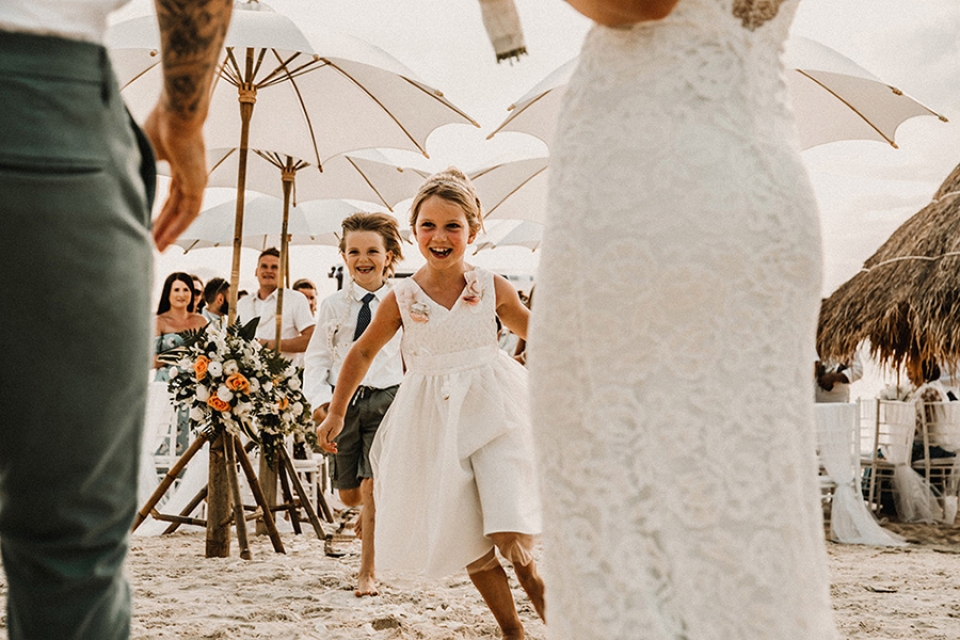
(165, 342)
(453, 458)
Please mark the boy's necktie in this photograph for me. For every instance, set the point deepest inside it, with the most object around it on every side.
(363, 318)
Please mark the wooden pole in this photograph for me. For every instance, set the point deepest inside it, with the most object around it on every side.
(231, 459)
(247, 96)
(288, 175)
(267, 476)
(168, 479)
(289, 502)
(258, 496)
(197, 499)
(304, 498)
(218, 500)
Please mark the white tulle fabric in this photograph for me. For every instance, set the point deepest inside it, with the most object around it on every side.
(453, 457)
(913, 498)
(160, 415)
(672, 344)
(838, 440)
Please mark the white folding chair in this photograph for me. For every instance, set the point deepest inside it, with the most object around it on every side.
(940, 433)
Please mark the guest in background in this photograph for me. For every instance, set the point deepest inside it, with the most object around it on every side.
(198, 292)
(834, 379)
(297, 322)
(307, 288)
(929, 389)
(175, 314)
(215, 296)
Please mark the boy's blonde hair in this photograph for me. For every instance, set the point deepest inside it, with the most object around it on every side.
(380, 223)
(453, 185)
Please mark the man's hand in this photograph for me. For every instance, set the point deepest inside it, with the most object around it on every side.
(181, 145)
(327, 432)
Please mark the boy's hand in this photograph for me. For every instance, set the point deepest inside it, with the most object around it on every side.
(320, 413)
(328, 430)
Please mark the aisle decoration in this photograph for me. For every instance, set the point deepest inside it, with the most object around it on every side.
(229, 381)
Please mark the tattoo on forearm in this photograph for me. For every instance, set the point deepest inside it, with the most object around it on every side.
(191, 32)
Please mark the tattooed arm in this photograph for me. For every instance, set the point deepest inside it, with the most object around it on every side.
(191, 33)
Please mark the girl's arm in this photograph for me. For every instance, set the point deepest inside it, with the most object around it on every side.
(512, 313)
(384, 326)
(615, 13)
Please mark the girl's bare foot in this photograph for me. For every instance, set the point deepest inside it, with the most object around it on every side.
(366, 586)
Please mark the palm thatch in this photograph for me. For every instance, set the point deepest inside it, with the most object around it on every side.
(906, 299)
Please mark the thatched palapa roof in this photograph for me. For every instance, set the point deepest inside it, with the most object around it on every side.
(906, 299)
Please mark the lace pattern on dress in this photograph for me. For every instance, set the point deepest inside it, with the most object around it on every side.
(754, 13)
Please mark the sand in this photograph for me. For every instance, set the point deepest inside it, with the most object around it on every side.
(911, 592)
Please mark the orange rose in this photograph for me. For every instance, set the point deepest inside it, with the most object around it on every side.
(218, 404)
(237, 382)
(283, 404)
(200, 366)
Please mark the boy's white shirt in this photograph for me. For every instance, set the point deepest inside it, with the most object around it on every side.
(333, 338)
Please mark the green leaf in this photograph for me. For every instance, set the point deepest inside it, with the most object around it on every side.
(248, 331)
(193, 336)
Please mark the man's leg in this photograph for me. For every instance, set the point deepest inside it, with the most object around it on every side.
(74, 340)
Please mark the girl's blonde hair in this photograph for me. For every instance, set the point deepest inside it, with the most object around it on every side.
(380, 223)
(452, 185)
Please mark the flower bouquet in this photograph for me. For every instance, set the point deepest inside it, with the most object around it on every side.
(230, 381)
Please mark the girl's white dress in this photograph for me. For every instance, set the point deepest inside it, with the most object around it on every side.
(453, 459)
(673, 334)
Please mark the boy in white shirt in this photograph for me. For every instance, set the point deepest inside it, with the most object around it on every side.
(370, 247)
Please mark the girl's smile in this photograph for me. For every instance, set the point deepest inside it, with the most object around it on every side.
(442, 232)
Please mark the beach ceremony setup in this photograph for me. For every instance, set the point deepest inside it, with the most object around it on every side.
(323, 110)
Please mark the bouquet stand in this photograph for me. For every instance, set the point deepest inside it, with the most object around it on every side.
(222, 494)
(224, 503)
(232, 385)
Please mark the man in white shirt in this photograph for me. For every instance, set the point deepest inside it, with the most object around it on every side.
(78, 179)
(297, 323)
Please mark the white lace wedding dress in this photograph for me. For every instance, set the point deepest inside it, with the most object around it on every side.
(673, 340)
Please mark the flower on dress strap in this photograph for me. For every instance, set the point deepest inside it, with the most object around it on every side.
(473, 292)
(419, 311)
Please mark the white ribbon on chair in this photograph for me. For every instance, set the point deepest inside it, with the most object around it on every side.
(838, 439)
(912, 496)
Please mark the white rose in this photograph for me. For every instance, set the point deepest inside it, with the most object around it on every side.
(297, 408)
(203, 394)
(268, 386)
(254, 385)
(196, 414)
(230, 367)
(294, 383)
(224, 394)
(215, 368)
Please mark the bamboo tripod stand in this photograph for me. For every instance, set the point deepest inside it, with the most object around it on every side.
(224, 502)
